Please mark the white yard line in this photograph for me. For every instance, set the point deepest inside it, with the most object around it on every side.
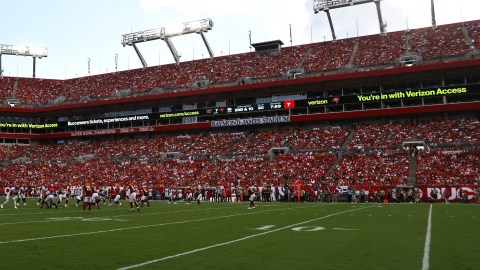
(115, 216)
(29, 222)
(428, 237)
(237, 240)
(75, 210)
(142, 227)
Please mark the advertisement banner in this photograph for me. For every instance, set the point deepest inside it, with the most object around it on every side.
(463, 193)
(451, 193)
(251, 121)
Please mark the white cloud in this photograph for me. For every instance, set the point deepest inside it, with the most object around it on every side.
(267, 19)
(213, 7)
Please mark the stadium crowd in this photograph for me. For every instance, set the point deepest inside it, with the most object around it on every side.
(380, 50)
(432, 43)
(473, 28)
(439, 42)
(246, 158)
(449, 167)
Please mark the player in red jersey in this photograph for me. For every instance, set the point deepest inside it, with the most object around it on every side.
(114, 194)
(144, 196)
(43, 197)
(87, 197)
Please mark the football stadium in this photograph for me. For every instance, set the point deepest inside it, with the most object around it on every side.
(359, 152)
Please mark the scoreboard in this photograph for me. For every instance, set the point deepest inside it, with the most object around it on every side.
(258, 107)
(467, 92)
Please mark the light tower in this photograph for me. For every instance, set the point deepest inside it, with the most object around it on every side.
(326, 5)
(166, 33)
(18, 50)
(432, 5)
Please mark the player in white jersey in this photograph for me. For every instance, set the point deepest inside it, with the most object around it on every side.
(41, 191)
(273, 196)
(251, 193)
(189, 196)
(103, 192)
(22, 193)
(172, 196)
(96, 199)
(198, 195)
(50, 199)
(10, 193)
(132, 195)
(78, 193)
(62, 195)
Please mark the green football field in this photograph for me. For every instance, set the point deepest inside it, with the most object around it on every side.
(230, 236)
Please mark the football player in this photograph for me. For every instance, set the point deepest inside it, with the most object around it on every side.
(10, 192)
(144, 198)
(132, 195)
(87, 192)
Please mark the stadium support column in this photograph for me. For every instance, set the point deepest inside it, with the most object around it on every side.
(1, 68)
(173, 50)
(207, 45)
(334, 37)
(380, 19)
(144, 63)
(434, 22)
(34, 64)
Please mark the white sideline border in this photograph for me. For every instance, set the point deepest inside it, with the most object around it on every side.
(428, 238)
(237, 240)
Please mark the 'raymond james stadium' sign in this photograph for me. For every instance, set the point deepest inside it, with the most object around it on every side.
(251, 121)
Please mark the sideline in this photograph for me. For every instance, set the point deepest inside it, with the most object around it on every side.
(237, 240)
(428, 237)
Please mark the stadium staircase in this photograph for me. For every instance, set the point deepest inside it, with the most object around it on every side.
(407, 41)
(305, 57)
(254, 69)
(467, 37)
(412, 166)
(354, 54)
(340, 152)
(412, 171)
(15, 86)
(474, 51)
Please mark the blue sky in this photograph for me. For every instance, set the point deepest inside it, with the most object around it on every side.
(74, 31)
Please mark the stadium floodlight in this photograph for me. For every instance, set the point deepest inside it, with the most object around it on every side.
(23, 50)
(326, 5)
(166, 33)
(19, 50)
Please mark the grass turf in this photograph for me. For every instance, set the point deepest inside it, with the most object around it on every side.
(230, 236)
